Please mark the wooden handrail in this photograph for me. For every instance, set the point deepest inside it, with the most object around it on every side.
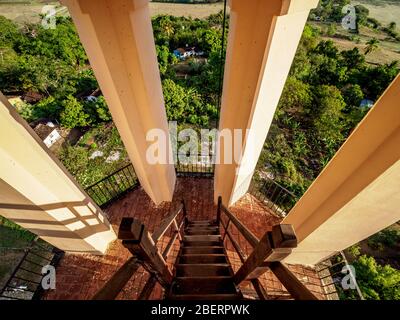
(166, 223)
(142, 245)
(262, 294)
(119, 279)
(247, 234)
(293, 285)
(137, 240)
(273, 247)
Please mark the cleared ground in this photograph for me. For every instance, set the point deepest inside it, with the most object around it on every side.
(384, 11)
(180, 9)
(30, 12)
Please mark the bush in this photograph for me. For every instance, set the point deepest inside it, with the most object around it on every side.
(385, 238)
(375, 281)
(73, 114)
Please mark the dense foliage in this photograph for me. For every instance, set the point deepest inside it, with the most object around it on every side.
(375, 281)
(319, 107)
(191, 87)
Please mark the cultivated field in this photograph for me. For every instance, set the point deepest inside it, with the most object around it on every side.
(384, 11)
(24, 12)
(181, 9)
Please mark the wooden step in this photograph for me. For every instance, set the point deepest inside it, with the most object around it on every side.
(223, 296)
(192, 243)
(202, 270)
(204, 250)
(193, 231)
(208, 227)
(202, 258)
(202, 224)
(213, 237)
(201, 285)
(201, 221)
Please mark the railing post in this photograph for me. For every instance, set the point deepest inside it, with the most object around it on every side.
(138, 241)
(275, 245)
(185, 218)
(219, 210)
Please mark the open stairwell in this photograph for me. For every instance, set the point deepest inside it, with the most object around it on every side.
(202, 269)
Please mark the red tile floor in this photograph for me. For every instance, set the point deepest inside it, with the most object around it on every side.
(80, 276)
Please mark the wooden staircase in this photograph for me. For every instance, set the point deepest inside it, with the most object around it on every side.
(202, 269)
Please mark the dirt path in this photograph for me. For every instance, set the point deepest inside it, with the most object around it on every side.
(181, 9)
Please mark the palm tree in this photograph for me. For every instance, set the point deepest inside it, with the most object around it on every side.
(372, 45)
(167, 27)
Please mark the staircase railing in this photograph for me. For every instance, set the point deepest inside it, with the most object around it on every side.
(113, 186)
(25, 282)
(332, 272)
(266, 254)
(271, 194)
(143, 246)
(199, 165)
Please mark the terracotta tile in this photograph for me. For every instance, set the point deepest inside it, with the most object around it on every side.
(80, 276)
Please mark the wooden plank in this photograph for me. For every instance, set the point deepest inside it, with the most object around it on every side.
(236, 246)
(293, 285)
(169, 245)
(260, 290)
(163, 227)
(119, 279)
(267, 250)
(247, 234)
(139, 242)
(177, 228)
(148, 288)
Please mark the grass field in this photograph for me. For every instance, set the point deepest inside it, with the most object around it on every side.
(30, 12)
(384, 11)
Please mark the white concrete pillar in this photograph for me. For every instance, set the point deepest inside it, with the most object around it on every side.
(262, 42)
(38, 193)
(358, 192)
(118, 38)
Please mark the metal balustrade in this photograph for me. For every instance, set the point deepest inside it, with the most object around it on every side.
(25, 282)
(113, 186)
(332, 273)
(200, 165)
(277, 198)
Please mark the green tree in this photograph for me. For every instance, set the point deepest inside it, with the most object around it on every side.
(60, 43)
(327, 117)
(163, 55)
(372, 45)
(98, 109)
(73, 114)
(375, 281)
(10, 35)
(362, 13)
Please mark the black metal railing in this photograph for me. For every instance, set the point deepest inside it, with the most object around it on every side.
(277, 198)
(338, 279)
(195, 165)
(25, 282)
(113, 186)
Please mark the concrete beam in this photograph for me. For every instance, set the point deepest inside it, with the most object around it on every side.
(358, 192)
(38, 193)
(118, 39)
(262, 42)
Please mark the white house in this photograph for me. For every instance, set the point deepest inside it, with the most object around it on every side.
(48, 133)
